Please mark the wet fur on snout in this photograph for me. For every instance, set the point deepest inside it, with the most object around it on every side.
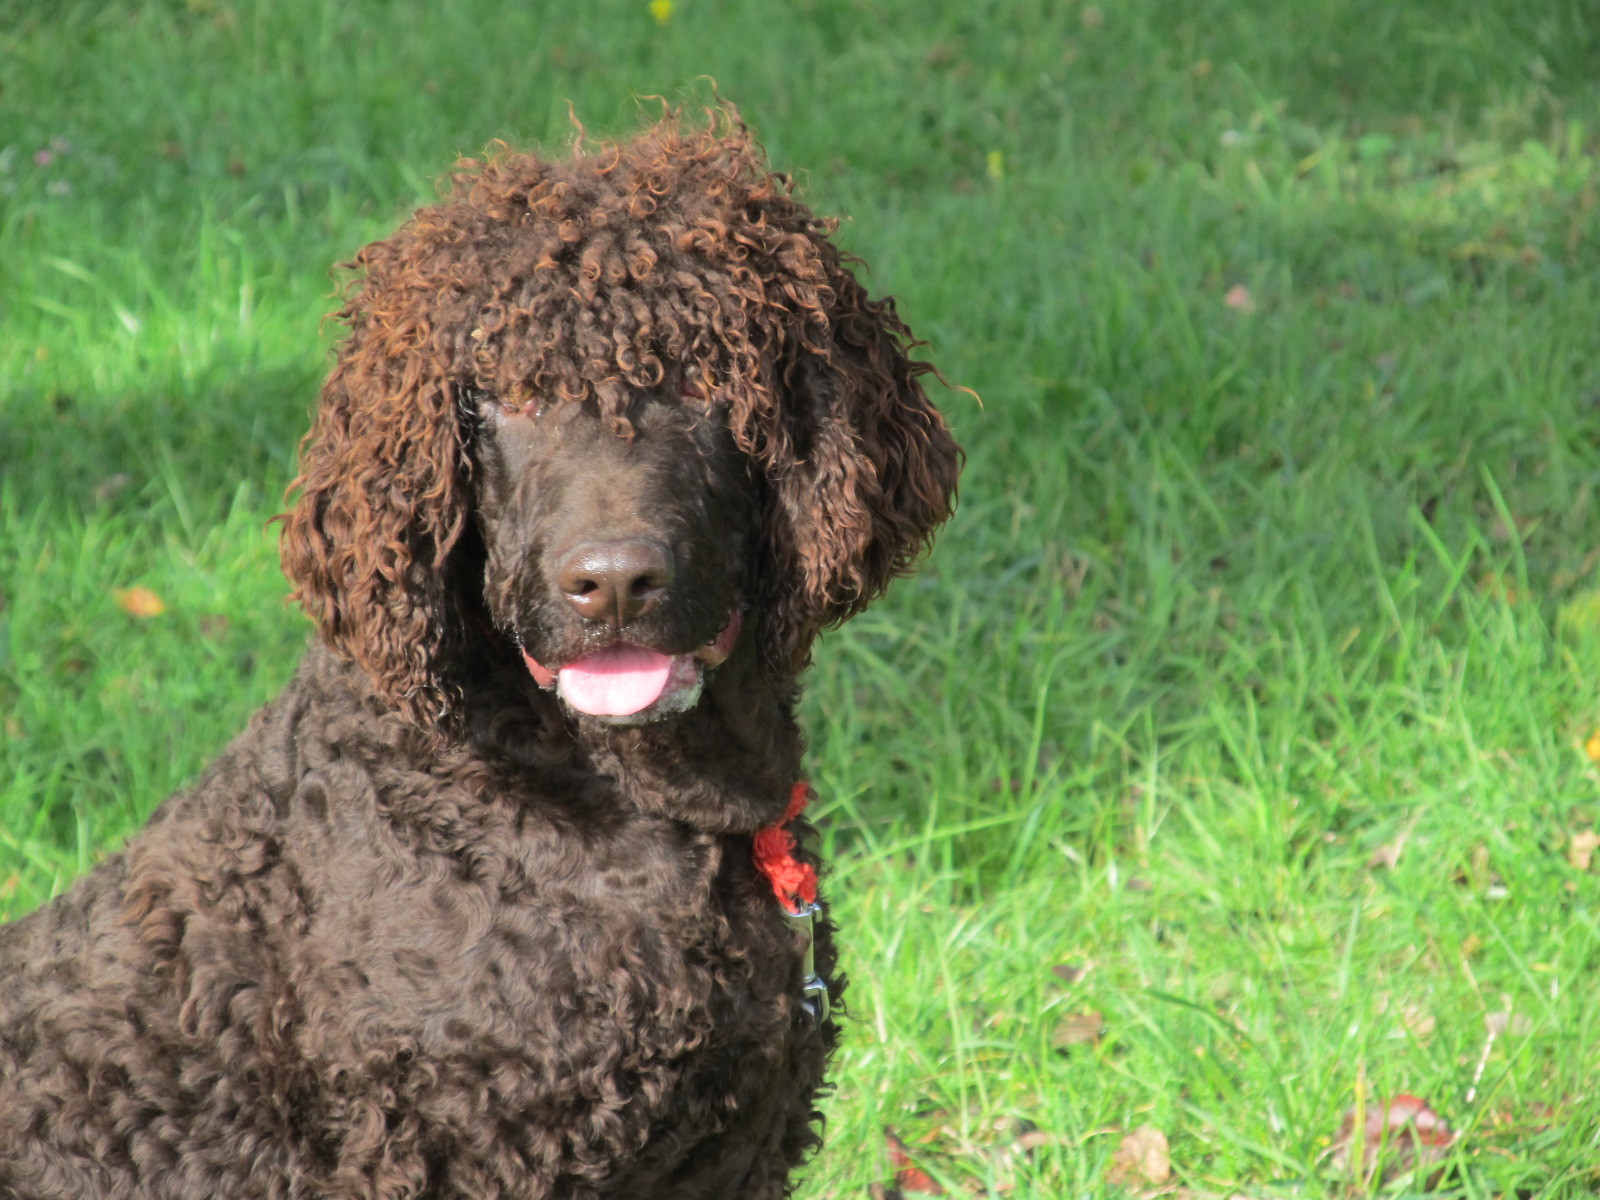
(419, 932)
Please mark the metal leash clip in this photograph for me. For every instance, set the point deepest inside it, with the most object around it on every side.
(814, 991)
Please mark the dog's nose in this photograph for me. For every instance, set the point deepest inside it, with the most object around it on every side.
(615, 582)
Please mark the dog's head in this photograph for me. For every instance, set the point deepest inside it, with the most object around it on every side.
(630, 411)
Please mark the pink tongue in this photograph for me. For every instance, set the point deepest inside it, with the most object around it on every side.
(616, 681)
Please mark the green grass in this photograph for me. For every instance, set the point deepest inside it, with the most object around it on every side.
(1237, 597)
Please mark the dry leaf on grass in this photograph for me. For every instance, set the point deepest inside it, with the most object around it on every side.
(1388, 854)
(995, 1148)
(1398, 1135)
(1414, 1019)
(108, 487)
(1580, 850)
(1076, 1028)
(1012, 1148)
(1498, 1024)
(1070, 973)
(1142, 1157)
(908, 1177)
(1417, 1021)
(139, 602)
(1032, 1139)
(1494, 585)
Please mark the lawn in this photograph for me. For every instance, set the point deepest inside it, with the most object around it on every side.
(1229, 765)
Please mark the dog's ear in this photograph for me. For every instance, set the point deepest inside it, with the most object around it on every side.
(382, 501)
(871, 470)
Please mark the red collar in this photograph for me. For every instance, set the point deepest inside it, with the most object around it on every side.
(793, 882)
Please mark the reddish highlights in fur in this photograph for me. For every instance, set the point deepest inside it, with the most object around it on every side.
(584, 280)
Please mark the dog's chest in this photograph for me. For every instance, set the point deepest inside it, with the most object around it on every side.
(594, 969)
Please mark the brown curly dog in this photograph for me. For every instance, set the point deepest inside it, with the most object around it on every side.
(498, 898)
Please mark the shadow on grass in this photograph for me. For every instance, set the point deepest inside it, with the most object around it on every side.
(190, 446)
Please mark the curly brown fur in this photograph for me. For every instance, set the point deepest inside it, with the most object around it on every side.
(428, 928)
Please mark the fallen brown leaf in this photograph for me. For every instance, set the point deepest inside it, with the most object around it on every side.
(1077, 1028)
(1388, 854)
(1142, 1157)
(1417, 1021)
(1070, 973)
(1494, 585)
(1499, 1024)
(908, 1177)
(108, 487)
(139, 602)
(1580, 850)
(1014, 1146)
(1403, 1132)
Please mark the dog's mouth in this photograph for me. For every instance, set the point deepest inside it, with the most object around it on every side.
(626, 684)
